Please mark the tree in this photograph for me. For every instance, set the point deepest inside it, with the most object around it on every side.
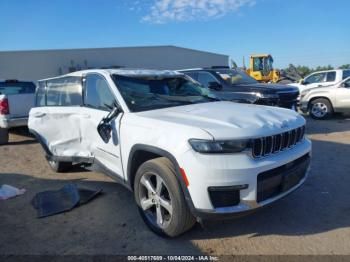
(323, 68)
(304, 70)
(346, 66)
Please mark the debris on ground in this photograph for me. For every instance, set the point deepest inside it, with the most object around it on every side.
(7, 191)
(53, 202)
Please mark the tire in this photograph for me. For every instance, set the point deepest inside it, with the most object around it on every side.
(4, 136)
(168, 200)
(60, 167)
(320, 109)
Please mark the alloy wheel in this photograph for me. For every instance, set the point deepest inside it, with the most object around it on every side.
(319, 110)
(155, 200)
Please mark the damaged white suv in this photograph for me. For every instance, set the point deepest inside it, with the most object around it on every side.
(185, 155)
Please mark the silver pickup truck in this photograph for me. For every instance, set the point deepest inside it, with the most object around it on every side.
(322, 102)
(16, 100)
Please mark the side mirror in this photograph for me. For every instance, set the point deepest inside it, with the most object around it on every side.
(214, 86)
(104, 128)
(302, 82)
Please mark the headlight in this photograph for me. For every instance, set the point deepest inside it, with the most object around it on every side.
(260, 95)
(304, 93)
(215, 147)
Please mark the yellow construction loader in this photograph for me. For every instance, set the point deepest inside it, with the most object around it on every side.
(261, 68)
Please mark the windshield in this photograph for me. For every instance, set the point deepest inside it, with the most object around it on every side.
(235, 77)
(148, 93)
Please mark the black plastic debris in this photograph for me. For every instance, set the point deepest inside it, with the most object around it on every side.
(50, 203)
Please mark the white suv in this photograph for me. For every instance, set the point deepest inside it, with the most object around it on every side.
(185, 155)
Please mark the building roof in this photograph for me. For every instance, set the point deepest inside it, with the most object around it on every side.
(107, 48)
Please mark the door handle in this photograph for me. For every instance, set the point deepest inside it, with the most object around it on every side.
(39, 114)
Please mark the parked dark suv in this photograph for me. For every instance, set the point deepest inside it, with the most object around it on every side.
(223, 81)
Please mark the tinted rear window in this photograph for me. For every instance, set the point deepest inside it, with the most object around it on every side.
(14, 88)
(346, 74)
(331, 76)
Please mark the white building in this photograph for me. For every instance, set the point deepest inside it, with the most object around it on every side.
(35, 65)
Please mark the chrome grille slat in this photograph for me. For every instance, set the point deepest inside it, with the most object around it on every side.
(265, 146)
(298, 135)
(289, 139)
(293, 137)
(285, 140)
(280, 137)
(272, 144)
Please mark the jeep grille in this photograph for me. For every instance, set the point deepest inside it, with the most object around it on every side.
(273, 144)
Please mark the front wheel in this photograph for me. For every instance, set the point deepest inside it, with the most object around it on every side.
(320, 109)
(160, 199)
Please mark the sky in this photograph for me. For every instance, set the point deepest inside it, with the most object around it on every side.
(302, 32)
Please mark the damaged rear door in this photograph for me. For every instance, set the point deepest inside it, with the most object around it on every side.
(57, 117)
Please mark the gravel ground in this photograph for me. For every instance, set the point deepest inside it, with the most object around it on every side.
(312, 220)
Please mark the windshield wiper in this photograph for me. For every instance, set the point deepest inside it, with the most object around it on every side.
(172, 99)
(191, 101)
(211, 98)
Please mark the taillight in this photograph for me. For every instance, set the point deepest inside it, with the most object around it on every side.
(4, 107)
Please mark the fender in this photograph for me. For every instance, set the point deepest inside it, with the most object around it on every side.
(323, 95)
(173, 160)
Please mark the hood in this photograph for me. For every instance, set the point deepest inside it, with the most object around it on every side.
(227, 120)
(304, 88)
(319, 89)
(270, 88)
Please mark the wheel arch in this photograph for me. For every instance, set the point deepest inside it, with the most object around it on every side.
(136, 159)
(318, 97)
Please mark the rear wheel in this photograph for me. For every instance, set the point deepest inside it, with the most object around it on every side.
(4, 136)
(60, 167)
(320, 109)
(160, 199)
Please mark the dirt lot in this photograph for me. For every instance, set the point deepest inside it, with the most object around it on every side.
(312, 220)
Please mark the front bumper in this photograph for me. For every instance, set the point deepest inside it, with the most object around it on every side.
(304, 106)
(237, 170)
(6, 122)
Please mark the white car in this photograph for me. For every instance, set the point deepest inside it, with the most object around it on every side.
(185, 155)
(16, 99)
(322, 79)
(321, 103)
